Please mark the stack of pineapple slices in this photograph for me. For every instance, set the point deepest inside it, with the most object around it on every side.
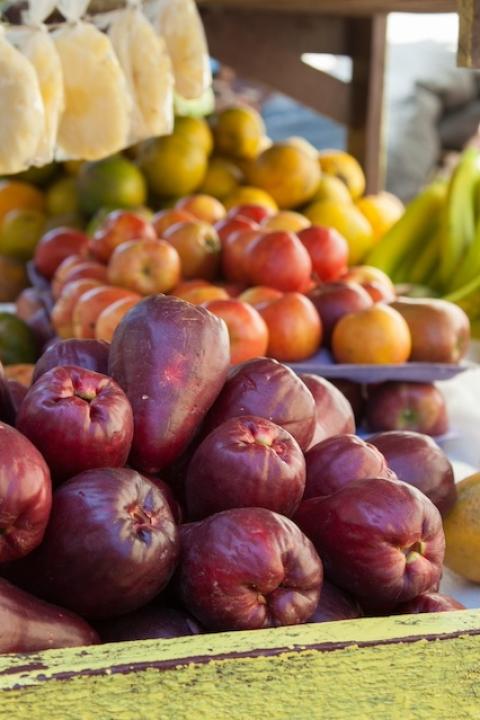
(74, 92)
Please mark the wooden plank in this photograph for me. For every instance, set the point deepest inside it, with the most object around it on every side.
(417, 667)
(365, 131)
(469, 34)
(339, 7)
(269, 51)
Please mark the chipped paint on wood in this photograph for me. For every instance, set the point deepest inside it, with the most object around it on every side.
(419, 666)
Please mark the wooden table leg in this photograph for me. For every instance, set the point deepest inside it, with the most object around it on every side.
(367, 38)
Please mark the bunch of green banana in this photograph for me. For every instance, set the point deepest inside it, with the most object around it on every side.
(400, 248)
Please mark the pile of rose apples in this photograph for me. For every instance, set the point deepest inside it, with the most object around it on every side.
(148, 489)
(282, 293)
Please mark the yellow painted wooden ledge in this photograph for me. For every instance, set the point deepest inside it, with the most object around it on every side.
(398, 668)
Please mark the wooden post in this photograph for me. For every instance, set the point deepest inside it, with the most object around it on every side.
(367, 43)
(469, 34)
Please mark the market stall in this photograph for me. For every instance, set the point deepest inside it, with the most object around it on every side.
(238, 389)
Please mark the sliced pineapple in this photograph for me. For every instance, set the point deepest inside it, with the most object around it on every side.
(146, 64)
(21, 109)
(95, 122)
(72, 9)
(39, 48)
(178, 21)
(39, 10)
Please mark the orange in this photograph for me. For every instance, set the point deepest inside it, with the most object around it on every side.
(349, 221)
(381, 210)
(173, 165)
(346, 168)
(196, 131)
(462, 530)
(378, 335)
(62, 198)
(289, 173)
(222, 177)
(248, 195)
(15, 195)
(238, 132)
(20, 231)
(17, 341)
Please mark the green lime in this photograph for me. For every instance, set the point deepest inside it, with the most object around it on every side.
(61, 198)
(20, 232)
(114, 182)
(17, 342)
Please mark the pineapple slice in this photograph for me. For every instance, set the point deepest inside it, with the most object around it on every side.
(38, 46)
(147, 67)
(95, 122)
(22, 112)
(179, 23)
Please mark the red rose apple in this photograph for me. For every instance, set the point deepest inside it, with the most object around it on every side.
(226, 227)
(248, 568)
(419, 407)
(149, 622)
(429, 602)
(78, 419)
(266, 388)
(382, 540)
(29, 624)
(25, 495)
(417, 460)
(118, 227)
(55, 246)
(87, 354)
(247, 330)
(111, 545)
(328, 251)
(335, 604)
(245, 462)
(333, 412)
(255, 212)
(278, 259)
(339, 460)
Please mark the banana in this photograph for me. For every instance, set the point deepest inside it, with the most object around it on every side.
(458, 217)
(423, 267)
(469, 266)
(412, 230)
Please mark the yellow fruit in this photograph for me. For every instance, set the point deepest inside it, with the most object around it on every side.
(196, 130)
(61, 198)
(302, 144)
(20, 232)
(381, 210)
(15, 195)
(239, 132)
(248, 195)
(114, 182)
(222, 178)
(173, 165)
(462, 530)
(287, 220)
(288, 173)
(331, 188)
(349, 221)
(346, 168)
